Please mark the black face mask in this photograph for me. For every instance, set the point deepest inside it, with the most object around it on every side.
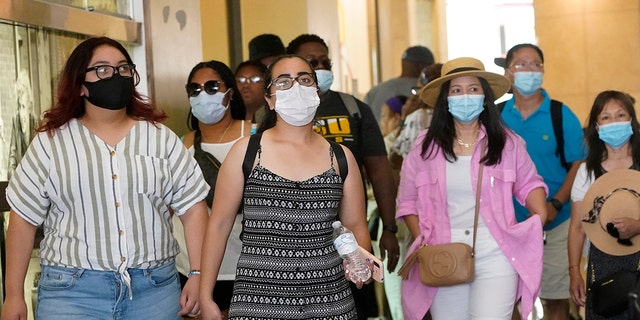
(113, 93)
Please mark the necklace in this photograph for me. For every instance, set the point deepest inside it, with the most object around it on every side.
(225, 131)
(466, 145)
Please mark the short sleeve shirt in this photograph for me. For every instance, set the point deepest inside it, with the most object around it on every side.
(361, 134)
(102, 207)
(537, 132)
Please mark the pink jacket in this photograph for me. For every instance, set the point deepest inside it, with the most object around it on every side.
(422, 191)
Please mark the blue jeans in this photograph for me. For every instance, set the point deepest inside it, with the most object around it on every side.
(71, 293)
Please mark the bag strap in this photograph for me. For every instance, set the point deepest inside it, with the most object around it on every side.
(250, 154)
(475, 220)
(343, 166)
(351, 104)
(556, 121)
(410, 260)
(197, 141)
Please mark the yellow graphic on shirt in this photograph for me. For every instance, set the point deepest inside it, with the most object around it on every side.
(337, 128)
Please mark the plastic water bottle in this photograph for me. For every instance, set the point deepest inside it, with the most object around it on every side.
(345, 243)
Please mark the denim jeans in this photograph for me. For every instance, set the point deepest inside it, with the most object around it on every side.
(70, 293)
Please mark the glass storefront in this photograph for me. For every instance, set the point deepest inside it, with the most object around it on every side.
(32, 56)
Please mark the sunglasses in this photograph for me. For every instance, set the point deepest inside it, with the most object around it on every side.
(210, 87)
(324, 63)
(253, 79)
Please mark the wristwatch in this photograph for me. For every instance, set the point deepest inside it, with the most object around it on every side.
(556, 203)
(393, 228)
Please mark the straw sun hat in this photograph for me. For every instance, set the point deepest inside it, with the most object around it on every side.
(464, 67)
(613, 195)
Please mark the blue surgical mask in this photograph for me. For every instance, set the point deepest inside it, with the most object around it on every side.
(208, 108)
(615, 134)
(527, 82)
(466, 107)
(325, 79)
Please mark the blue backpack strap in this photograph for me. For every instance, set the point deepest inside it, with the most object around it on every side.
(250, 154)
(343, 166)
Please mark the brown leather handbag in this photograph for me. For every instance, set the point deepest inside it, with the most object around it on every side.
(446, 264)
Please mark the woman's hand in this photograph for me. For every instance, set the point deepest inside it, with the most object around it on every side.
(577, 286)
(14, 308)
(358, 282)
(190, 306)
(210, 310)
(627, 227)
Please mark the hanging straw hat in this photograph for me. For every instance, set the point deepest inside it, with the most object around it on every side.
(464, 67)
(615, 194)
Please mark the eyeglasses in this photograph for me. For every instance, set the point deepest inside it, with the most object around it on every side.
(106, 72)
(253, 79)
(324, 63)
(534, 66)
(210, 87)
(286, 82)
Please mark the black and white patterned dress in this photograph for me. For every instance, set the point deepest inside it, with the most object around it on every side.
(288, 268)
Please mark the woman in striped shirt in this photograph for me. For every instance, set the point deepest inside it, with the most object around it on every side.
(103, 177)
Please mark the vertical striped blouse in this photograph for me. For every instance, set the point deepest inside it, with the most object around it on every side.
(106, 208)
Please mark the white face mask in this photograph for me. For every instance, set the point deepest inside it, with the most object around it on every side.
(208, 108)
(297, 106)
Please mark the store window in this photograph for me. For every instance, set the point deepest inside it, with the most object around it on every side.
(117, 7)
(487, 29)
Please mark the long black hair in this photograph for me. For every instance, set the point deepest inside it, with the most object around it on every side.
(597, 150)
(442, 131)
(238, 110)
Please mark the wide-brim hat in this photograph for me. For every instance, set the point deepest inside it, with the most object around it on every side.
(464, 67)
(616, 194)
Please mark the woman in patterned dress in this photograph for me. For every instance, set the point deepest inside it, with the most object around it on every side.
(288, 268)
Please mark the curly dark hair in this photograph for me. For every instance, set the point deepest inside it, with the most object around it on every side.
(294, 45)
